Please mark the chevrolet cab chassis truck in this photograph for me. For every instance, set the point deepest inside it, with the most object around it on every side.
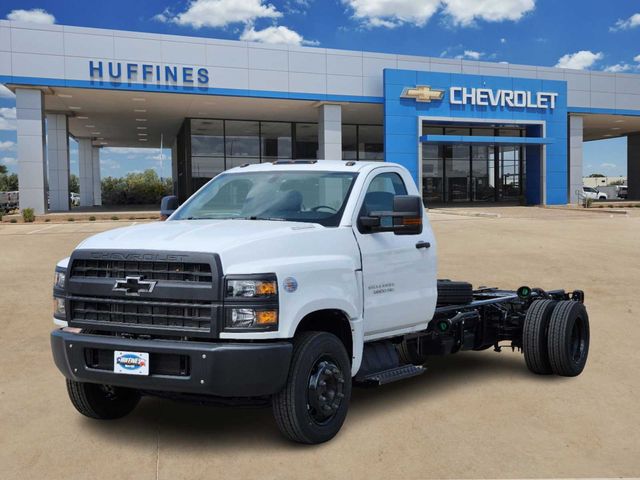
(286, 283)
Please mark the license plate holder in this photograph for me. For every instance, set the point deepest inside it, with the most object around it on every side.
(130, 363)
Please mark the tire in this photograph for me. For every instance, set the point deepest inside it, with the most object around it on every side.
(568, 341)
(535, 338)
(306, 411)
(454, 293)
(408, 352)
(103, 402)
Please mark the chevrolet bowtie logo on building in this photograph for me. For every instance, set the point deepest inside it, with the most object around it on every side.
(422, 93)
(134, 286)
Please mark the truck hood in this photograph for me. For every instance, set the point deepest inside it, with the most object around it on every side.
(206, 236)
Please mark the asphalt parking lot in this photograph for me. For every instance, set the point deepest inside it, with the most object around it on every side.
(472, 415)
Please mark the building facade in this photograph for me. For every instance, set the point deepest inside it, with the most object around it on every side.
(468, 131)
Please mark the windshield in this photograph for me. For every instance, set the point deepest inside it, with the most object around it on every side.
(315, 197)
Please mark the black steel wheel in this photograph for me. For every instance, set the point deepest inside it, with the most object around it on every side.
(568, 340)
(104, 402)
(535, 336)
(312, 406)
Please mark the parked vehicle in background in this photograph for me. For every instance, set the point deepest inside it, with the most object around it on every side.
(594, 193)
(9, 201)
(75, 199)
(622, 192)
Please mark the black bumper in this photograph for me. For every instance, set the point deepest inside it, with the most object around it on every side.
(220, 369)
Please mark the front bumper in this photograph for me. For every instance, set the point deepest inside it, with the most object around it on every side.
(219, 369)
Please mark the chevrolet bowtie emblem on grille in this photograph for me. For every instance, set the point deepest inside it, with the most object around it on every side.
(134, 286)
(422, 93)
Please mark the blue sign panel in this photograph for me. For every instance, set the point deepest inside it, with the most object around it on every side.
(452, 97)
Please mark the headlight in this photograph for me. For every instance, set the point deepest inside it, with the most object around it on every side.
(59, 278)
(251, 302)
(246, 288)
(252, 318)
(59, 310)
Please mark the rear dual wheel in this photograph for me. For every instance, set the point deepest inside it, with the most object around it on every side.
(555, 337)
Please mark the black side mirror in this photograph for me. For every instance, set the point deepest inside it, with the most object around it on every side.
(405, 219)
(168, 205)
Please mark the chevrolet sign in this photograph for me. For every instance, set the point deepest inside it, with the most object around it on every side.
(502, 98)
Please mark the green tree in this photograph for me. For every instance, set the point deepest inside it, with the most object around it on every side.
(596, 175)
(3, 169)
(144, 188)
(74, 183)
(8, 183)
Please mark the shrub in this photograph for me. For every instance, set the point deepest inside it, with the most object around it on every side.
(588, 202)
(47, 220)
(115, 217)
(92, 218)
(144, 188)
(13, 220)
(27, 215)
(71, 219)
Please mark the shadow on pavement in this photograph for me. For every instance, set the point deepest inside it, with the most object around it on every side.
(193, 427)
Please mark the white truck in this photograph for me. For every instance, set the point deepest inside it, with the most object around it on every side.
(286, 283)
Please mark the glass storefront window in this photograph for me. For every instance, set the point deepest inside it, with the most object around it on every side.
(242, 139)
(349, 142)
(432, 174)
(207, 138)
(275, 140)
(370, 142)
(306, 144)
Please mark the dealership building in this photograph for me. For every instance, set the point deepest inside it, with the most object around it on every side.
(468, 131)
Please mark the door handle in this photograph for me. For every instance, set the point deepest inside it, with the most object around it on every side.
(423, 245)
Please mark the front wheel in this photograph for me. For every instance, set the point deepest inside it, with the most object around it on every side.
(312, 406)
(104, 402)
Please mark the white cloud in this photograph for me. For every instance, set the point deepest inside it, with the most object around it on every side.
(465, 12)
(219, 13)
(631, 22)
(8, 145)
(618, 68)
(9, 161)
(636, 58)
(5, 92)
(579, 60)
(8, 118)
(608, 165)
(470, 54)
(123, 150)
(503, 40)
(392, 13)
(275, 34)
(35, 15)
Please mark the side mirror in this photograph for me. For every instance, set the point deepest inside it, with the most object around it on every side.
(405, 219)
(168, 205)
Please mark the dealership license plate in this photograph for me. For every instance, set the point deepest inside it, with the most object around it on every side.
(131, 363)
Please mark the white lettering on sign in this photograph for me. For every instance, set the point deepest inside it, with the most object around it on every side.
(487, 97)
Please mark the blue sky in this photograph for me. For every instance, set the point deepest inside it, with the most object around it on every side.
(582, 34)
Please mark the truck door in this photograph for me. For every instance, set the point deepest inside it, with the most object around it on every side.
(399, 271)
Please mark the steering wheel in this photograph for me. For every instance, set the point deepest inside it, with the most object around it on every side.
(315, 209)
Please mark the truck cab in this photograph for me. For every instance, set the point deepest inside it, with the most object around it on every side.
(284, 283)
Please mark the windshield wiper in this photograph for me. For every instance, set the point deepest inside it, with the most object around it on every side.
(254, 217)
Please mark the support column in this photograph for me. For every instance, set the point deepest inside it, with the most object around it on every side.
(58, 161)
(85, 161)
(329, 132)
(633, 166)
(31, 150)
(576, 128)
(97, 180)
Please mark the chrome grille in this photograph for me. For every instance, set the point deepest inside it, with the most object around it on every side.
(150, 270)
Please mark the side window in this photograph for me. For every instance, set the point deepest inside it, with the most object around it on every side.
(379, 196)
